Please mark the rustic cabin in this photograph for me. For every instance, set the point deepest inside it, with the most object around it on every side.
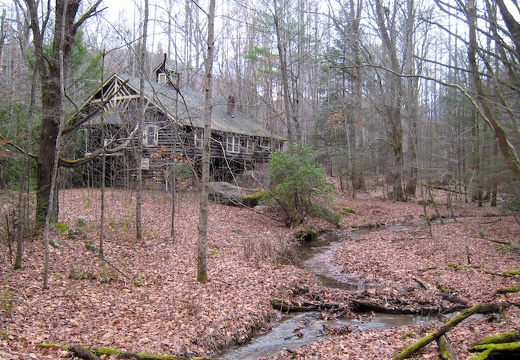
(172, 130)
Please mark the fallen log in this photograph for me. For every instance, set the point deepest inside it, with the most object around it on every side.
(454, 299)
(447, 352)
(86, 353)
(496, 351)
(131, 355)
(364, 305)
(303, 306)
(504, 337)
(450, 324)
(83, 353)
(502, 345)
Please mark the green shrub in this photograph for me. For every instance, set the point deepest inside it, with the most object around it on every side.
(347, 210)
(61, 227)
(427, 202)
(326, 214)
(6, 301)
(298, 183)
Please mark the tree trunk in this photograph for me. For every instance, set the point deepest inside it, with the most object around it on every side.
(52, 108)
(494, 177)
(506, 148)
(358, 181)
(103, 174)
(25, 175)
(411, 103)
(282, 58)
(53, 73)
(142, 115)
(202, 272)
(395, 128)
(174, 199)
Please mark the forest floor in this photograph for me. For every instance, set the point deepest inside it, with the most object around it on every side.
(146, 297)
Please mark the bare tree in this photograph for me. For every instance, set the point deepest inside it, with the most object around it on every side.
(142, 115)
(349, 45)
(386, 20)
(476, 53)
(202, 272)
(53, 72)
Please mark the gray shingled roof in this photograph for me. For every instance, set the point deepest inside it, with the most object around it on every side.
(191, 109)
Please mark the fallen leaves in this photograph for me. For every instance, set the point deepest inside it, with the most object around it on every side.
(164, 310)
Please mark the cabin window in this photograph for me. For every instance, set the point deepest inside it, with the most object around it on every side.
(250, 145)
(264, 144)
(278, 145)
(161, 78)
(198, 138)
(232, 144)
(87, 139)
(151, 135)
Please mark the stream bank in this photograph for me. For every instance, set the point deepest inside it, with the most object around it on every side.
(295, 330)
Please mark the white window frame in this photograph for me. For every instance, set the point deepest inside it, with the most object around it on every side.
(147, 135)
(250, 145)
(198, 138)
(278, 145)
(162, 78)
(232, 144)
(264, 144)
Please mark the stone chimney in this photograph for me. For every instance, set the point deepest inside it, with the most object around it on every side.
(231, 106)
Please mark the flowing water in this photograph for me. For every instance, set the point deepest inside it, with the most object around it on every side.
(282, 335)
(315, 257)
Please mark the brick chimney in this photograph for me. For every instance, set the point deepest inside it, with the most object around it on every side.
(231, 106)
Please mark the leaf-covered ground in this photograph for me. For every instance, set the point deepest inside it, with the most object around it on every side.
(464, 257)
(157, 306)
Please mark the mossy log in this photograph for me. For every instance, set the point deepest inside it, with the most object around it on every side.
(496, 351)
(501, 338)
(83, 353)
(131, 355)
(447, 352)
(86, 353)
(409, 350)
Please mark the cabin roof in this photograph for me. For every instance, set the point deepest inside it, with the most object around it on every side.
(190, 110)
(172, 66)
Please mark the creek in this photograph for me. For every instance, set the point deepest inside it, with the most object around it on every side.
(315, 257)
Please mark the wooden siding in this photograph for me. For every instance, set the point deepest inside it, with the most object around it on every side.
(165, 140)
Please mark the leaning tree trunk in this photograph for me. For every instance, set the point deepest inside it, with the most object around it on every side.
(450, 324)
(506, 148)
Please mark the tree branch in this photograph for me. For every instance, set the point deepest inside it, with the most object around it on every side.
(77, 162)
